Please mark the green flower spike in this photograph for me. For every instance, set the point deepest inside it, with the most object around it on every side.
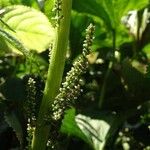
(70, 89)
(30, 109)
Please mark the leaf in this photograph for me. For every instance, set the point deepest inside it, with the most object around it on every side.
(13, 122)
(12, 40)
(78, 24)
(69, 125)
(14, 92)
(127, 5)
(117, 8)
(3, 46)
(132, 77)
(34, 33)
(33, 3)
(136, 85)
(95, 131)
(4, 3)
(94, 8)
(146, 50)
(110, 11)
(48, 6)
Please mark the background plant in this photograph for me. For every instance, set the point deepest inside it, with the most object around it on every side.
(112, 112)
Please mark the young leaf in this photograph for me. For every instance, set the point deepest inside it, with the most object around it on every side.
(34, 33)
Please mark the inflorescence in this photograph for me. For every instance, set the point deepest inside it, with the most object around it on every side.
(30, 109)
(58, 12)
(71, 88)
(30, 103)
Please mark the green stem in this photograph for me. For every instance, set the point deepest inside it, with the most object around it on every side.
(54, 77)
(103, 89)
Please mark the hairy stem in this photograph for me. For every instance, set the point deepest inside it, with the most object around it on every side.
(54, 77)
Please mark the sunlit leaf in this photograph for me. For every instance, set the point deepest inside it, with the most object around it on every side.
(93, 130)
(48, 6)
(34, 33)
(33, 3)
(110, 11)
(12, 40)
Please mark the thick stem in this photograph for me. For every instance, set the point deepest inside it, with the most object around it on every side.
(103, 89)
(54, 77)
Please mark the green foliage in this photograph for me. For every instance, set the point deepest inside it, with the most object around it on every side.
(70, 127)
(28, 28)
(94, 130)
(107, 88)
(33, 3)
(110, 11)
(93, 8)
(48, 6)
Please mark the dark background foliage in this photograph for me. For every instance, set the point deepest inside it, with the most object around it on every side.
(118, 95)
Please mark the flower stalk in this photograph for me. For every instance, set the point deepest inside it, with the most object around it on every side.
(54, 77)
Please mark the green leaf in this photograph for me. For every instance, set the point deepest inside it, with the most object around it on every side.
(146, 50)
(117, 8)
(34, 33)
(12, 40)
(48, 6)
(69, 125)
(4, 3)
(94, 130)
(127, 5)
(3, 46)
(92, 7)
(13, 121)
(33, 3)
(110, 11)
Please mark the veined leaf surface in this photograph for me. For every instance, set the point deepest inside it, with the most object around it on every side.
(31, 26)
